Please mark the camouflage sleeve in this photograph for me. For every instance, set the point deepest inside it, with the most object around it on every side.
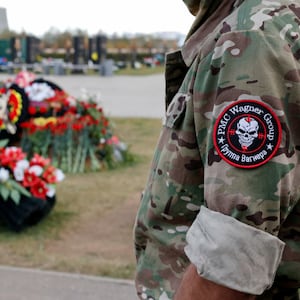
(246, 114)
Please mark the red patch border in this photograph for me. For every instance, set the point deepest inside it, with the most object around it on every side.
(279, 136)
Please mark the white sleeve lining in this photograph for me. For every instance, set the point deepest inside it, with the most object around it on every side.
(233, 254)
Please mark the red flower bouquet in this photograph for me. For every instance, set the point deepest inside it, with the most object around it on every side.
(35, 177)
(27, 187)
(74, 133)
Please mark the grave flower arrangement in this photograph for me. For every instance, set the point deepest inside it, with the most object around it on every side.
(80, 140)
(49, 133)
(27, 186)
(75, 134)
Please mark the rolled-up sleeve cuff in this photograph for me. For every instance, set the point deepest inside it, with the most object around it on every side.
(233, 254)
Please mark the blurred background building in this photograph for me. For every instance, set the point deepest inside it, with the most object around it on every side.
(3, 20)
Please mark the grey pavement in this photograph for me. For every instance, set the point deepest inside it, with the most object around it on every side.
(33, 284)
(120, 96)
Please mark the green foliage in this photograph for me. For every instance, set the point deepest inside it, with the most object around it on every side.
(3, 143)
(11, 189)
(141, 71)
(81, 140)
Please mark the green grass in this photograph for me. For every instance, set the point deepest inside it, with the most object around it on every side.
(141, 71)
(83, 233)
(129, 71)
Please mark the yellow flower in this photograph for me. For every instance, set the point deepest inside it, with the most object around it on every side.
(44, 121)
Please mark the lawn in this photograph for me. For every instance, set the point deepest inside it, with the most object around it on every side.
(142, 71)
(89, 230)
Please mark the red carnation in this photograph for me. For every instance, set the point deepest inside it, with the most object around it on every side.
(49, 175)
(39, 190)
(39, 160)
(30, 179)
(43, 109)
(32, 110)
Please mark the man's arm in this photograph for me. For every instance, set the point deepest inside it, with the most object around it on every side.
(195, 287)
(231, 240)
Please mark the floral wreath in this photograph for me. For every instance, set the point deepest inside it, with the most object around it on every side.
(14, 107)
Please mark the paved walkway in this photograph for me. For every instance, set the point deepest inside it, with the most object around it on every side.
(31, 284)
(120, 96)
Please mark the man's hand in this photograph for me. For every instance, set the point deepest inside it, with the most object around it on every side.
(194, 287)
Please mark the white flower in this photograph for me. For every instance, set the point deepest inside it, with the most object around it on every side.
(4, 175)
(84, 94)
(122, 146)
(51, 190)
(10, 149)
(117, 154)
(60, 176)
(20, 168)
(39, 91)
(37, 170)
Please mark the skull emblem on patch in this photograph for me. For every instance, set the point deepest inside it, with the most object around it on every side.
(247, 134)
(247, 131)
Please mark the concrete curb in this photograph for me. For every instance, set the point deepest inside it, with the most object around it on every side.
(35, 284)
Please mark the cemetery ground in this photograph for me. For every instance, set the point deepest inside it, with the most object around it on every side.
(89, 231)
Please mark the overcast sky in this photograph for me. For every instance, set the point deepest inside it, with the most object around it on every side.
(108, 16)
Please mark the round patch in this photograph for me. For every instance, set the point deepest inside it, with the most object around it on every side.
(247, 134)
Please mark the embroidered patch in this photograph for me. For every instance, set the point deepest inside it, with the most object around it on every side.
(247, 134)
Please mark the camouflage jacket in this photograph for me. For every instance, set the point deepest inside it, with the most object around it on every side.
(224, 185)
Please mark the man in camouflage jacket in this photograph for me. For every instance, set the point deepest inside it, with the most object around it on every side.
(220, 215)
